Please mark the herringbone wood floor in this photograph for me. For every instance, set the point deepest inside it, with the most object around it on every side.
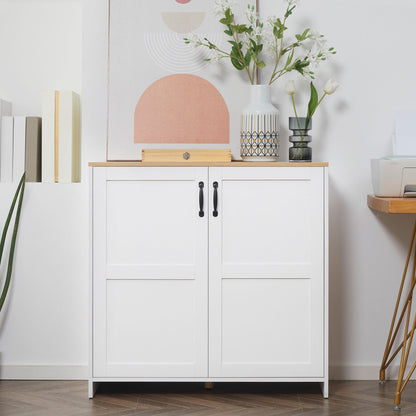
(69, 398)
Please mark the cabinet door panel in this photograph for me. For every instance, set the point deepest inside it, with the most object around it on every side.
(149, 273)
(257, 313)
(163, 328)
(150, 209)
(267, 211)
(266, 273)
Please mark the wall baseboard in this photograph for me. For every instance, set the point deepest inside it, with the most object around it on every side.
(43, 372)
(80, 372)
(364, 372)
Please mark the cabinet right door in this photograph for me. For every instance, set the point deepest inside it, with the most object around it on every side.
(266, 272)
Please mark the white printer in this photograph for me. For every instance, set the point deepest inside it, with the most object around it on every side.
(394, 176)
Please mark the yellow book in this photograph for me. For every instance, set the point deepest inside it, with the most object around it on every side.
(68, 137)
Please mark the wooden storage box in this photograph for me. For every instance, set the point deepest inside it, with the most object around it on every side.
(186, 155)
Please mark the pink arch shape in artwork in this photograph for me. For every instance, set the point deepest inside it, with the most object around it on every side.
(181, 108)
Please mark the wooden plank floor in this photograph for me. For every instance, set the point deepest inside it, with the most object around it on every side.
(69, 398)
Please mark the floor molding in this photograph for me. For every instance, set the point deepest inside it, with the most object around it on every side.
(44, 372)
(364, 372)
(80, 372)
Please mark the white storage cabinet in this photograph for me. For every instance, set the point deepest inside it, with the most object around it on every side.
(209, 273)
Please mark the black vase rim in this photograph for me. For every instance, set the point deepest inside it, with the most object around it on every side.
(300, 123)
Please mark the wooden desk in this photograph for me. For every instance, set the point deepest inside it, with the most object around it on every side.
(392, 205)
(400, 206)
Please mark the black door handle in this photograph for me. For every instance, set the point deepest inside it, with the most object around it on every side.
(215, 212)
(201, 199)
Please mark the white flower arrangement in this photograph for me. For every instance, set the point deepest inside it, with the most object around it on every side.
(251, 40)
(314, 101)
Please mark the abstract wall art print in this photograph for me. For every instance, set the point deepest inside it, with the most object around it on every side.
(161, 91)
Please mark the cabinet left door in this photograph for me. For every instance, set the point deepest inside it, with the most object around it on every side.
(149, 272)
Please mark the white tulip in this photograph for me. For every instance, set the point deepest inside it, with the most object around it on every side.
(290, 87)
(330, 86)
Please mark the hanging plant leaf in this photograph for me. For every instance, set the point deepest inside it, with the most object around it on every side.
(20, 191)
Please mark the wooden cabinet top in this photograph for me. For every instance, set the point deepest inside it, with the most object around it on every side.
(236, 163)
(392, 205)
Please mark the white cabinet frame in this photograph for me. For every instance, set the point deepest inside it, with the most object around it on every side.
(226, 276)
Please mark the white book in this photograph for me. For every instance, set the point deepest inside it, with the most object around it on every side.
(6, 149)
(19, 144)
(69, 137)
(48, 136)
(33, 149)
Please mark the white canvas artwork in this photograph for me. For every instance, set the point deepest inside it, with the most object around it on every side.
(161, 92)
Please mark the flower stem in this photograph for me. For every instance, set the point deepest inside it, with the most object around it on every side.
(294, 107)
(278, 53)
(297, 118)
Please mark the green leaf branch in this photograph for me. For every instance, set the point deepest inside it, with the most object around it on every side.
(242, 58)
(248, 44)
(19, 194)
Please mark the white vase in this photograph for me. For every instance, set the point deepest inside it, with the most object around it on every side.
(259, 135)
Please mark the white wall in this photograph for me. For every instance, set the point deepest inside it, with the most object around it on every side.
(367, 250)
(46, 319)
(374, 66)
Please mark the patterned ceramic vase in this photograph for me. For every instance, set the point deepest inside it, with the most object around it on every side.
(300, 152)
(259, 136)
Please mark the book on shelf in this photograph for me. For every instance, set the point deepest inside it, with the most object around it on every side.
(21, 148)
(68, 137)
(19, 144)
(60, 136)
(33, 149)
(48, 136)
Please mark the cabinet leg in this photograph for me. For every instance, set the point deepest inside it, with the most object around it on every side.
(92, 388)
(209, 385)
(325, 389)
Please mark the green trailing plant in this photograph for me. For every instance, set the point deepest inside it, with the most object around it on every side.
(19, 194)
